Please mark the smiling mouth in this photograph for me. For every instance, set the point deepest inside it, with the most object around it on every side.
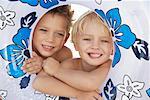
(47, 47)
(94, 55)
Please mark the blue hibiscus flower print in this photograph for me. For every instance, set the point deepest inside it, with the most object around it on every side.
(43, 3)
(18, 52)
(122, 34)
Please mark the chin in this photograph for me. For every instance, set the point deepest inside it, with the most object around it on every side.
(95, 64)
(45, 55)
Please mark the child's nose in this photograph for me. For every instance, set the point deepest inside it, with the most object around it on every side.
(95, 45)
(50, 37)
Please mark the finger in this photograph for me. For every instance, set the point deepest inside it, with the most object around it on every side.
(44, 62)
(28, 67)
(96, 96)
(100, 98)
(30, 60)
(34, 71)
(34, 54)
(33, 65)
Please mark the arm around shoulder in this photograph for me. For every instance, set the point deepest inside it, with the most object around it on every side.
(90, 80)
(52, 86)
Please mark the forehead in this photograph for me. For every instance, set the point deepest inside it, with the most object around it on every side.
(53, 20)
(95, 27)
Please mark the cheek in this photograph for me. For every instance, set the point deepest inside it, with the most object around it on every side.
(108, 50)
(37, 37)
(59, 41)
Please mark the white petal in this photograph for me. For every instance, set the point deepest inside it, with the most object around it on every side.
(130, 94)
(136, 93)
(124, 97)
(127, 81)
(9, 22)
(98, 1)
(2, 24)
(3, 93)
(137, 85)
(1, 10)
(121, 87)
(9, 14)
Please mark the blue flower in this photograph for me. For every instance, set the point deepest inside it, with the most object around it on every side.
(123, 36)
(18, 52)
(44, 3)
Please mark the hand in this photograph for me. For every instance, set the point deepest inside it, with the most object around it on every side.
(89, 96)
(33, 65)
(50, 66)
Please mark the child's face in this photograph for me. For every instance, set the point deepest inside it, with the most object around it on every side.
(49, 35)
(94, 43)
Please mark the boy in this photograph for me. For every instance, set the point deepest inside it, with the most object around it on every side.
(93, 40)
(49, 37)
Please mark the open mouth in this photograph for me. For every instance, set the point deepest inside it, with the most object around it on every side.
(95, 55)
(47, 47)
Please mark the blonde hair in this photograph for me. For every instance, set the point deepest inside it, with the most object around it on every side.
(86, 17)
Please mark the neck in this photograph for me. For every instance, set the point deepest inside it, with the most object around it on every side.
(86, 67)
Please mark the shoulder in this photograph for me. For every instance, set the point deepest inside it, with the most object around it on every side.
(66, 51)
(63, 54)
(71, 63)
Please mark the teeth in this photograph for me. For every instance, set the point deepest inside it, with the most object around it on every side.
(94, 55)
(47, 47)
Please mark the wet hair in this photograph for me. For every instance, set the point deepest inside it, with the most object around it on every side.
(65, 11)
(88, 17)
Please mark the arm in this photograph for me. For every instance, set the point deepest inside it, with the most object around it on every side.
(90, 80)
(53, 86)
(34, 64)
(63, 54)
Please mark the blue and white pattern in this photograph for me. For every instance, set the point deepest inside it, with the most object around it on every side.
(148, 92)
(110, 90)
(43, 3)
(3, 94)
(129, 76)
(6, 18)
(130, 88)
(123, 36)
(98, 1)
(18, 52)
